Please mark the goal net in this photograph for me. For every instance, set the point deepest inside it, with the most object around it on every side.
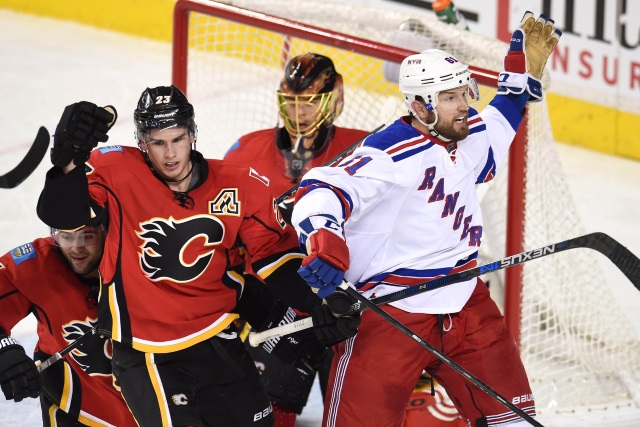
(580, 352)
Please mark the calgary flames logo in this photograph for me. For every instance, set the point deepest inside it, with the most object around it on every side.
(94, 355)
(178, 251)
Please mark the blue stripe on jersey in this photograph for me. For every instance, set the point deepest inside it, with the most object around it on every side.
(509, 109)
(422, 273)
(397, 132)
(477, 129)
(315, 184)
(489, 170)
(479, 124)
(410, 153)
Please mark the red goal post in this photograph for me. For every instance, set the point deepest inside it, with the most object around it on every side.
(374, 49)
(229, 60)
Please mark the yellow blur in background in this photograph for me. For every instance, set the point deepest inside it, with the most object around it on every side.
(573, 121)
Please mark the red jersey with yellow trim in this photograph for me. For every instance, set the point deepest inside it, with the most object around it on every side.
(35, 277)
(165, 280)
(258, 150)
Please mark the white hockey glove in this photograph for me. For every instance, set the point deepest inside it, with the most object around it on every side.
(531, 45)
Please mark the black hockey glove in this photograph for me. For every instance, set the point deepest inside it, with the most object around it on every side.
(331, 323)
(19, 377)
(301, 349)
(81, 127)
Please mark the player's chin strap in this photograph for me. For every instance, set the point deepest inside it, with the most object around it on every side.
(431, 126)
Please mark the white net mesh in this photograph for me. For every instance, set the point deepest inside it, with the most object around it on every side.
(582, 356)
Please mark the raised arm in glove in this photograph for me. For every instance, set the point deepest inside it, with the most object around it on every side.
(81, 127)
(531, 45)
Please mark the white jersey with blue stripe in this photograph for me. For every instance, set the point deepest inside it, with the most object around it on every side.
(410, 205)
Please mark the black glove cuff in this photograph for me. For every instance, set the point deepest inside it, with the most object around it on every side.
(7, 342)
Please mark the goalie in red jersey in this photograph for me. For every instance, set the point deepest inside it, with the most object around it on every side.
(56, 278)
(169, 292)
(310, 98)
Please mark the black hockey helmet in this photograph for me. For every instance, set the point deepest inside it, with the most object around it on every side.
(163, 107)
(310, 73)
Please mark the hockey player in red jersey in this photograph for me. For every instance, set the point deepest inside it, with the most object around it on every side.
(402, 210)
(169, 293)
(56, 279)
(310, 98)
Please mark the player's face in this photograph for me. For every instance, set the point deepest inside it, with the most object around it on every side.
(303, 114)
(169, 150)
(82, 249)
(453, 111)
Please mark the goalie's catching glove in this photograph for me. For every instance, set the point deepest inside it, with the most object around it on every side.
(19, 377)
(81, 127)
(531, 45)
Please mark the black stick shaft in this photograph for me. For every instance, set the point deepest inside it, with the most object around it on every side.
(59, 355)
(31, 160)
(441, 356)
(626, 261)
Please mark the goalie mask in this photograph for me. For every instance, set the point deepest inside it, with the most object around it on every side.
(428, 73)
(310, 95)
(163, 107)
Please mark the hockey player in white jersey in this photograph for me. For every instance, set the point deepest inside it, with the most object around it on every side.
(403, 209)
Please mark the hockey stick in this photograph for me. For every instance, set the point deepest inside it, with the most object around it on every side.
(623, 258)
(335, 160)
(59, 355)
(626, 261)
(34, 156)
(441, 356)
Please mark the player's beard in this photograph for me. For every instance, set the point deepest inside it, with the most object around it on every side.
(86, 265)
(453, 130)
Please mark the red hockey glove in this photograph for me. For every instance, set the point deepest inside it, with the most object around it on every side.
(326, 263)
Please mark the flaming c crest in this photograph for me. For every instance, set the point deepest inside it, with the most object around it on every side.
(178, 250)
